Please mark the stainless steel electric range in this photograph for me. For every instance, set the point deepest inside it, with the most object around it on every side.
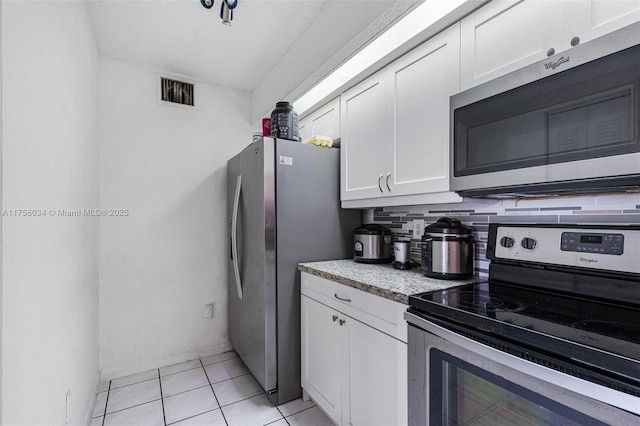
(551, 338)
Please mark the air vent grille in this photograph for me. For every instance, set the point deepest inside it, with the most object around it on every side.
(177, 92)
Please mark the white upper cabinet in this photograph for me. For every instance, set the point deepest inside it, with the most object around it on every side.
(324, 121)
(363, 147)
(304, 129)
(418, 89)
(395, 128)
(589, 19)
(506, 35)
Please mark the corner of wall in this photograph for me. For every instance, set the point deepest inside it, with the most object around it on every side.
(1, 180)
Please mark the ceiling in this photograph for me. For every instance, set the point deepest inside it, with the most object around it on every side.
(292, 37)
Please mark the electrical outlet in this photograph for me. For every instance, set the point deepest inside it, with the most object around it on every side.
(207, 312)
(418, 228)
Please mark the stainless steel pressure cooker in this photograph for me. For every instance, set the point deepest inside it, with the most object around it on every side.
(447, 250)
(372, 244)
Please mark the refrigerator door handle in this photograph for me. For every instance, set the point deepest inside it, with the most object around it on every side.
(234, 235)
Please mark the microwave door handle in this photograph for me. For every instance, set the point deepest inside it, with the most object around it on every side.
(234, 236)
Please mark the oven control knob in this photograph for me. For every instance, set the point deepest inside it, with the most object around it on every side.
(507, 242)
(529, 243)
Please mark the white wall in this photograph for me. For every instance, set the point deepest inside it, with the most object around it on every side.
(49, 264)
(0, 215)
(161, 264)
(291, 77)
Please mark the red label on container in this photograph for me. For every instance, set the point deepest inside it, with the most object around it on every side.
(266, 127)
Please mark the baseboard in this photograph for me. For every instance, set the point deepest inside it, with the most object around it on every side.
(114, 373)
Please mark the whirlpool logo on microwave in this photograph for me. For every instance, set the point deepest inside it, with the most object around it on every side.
(588, 260)
(555, 64)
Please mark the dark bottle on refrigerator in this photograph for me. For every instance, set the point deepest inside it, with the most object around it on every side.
(284, 122)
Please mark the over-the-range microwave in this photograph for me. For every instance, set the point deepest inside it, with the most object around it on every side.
(569, 123)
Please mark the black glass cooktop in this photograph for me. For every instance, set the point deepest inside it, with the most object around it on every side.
(592, 331)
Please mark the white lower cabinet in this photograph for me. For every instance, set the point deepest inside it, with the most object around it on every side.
(321, 356)
(375, 383)
(356, 373)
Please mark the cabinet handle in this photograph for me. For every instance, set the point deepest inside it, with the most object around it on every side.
(344, 299)
(575, 41)
(342, 322)
(388, 176)
(335, 317)
(380, 186)
(551, 51)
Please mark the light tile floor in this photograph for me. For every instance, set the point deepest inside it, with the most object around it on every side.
(216, 390)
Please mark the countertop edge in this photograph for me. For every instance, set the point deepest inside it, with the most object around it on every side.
(380, 279)
(369, 288)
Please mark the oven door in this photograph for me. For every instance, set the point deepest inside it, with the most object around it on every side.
(454, 380)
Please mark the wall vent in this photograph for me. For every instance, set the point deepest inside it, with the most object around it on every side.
(177, 92)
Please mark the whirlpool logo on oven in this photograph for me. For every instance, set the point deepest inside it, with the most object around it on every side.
(588, 260)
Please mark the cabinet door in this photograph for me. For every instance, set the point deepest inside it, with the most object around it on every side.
(326, 120)
(375, 377)
(320, 348)
(506, 35)
(304, 129)
(362, 111)
(588, 19)
(419, 86)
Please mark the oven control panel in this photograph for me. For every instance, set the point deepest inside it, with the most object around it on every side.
(589, 242)
(614, 249)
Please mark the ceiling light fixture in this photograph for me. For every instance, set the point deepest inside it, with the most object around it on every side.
(226, 9)
(402, 31)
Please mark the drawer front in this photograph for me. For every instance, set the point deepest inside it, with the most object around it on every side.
(382, 314)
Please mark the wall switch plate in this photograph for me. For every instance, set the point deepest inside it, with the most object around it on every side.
(418, 228)
(207, 312)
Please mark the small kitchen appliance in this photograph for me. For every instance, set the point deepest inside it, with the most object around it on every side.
(447, 250)
(567, 123)
(551, 337)
(372, 244)
(402, 255)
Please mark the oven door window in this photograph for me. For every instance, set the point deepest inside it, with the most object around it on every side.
(463, 394)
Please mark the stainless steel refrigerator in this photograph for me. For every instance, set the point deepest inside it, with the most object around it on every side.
(283, 208)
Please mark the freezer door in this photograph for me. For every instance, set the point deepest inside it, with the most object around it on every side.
(251, 282)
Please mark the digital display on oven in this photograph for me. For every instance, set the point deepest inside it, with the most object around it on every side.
(592, 243)
(591, 239)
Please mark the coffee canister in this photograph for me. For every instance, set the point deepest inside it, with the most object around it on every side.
(284, 122)
(402, 255)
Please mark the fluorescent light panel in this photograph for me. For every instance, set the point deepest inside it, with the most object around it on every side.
(412, 24)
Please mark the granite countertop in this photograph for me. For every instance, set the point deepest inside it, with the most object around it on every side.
(380, 279)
